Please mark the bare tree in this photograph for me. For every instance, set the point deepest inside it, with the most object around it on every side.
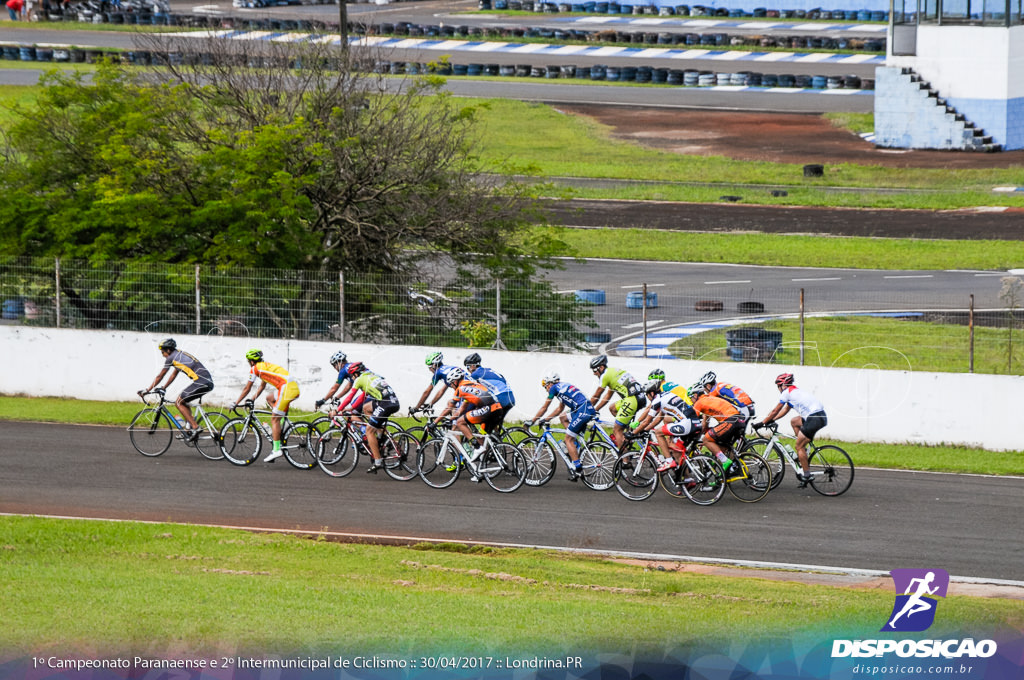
(1012, 295)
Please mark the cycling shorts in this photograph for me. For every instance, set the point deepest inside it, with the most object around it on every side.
(681, 433)
(287, 394)
(479, 415)
(725, 432)
(195, 390)
(629, 407)
(382, 408)
(579, 418)
(813, 423)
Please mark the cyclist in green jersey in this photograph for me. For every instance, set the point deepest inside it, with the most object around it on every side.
(620, 382)
(380, 403)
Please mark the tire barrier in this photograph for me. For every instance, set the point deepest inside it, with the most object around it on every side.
(635, 300)
(708, 306)
(752, 344)
(591, 296)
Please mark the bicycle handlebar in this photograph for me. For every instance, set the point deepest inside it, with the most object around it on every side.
(427, 411)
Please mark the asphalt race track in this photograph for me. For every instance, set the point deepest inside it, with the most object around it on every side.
(969, 525)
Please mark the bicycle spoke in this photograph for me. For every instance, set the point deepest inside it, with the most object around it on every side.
(831, 470)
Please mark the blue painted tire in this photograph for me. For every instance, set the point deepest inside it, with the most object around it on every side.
(591, 296)
(635, 300)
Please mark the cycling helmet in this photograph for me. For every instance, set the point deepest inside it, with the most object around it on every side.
(549, 379)
(784, 380)
(338, 357)
(472, 360)
(709, 378)
(454, 377)
(254, 355)
(652, 386)
(354, 369)
(656, 374)
(434, 359)
(600, 360)
(695, 391)
(169, 343)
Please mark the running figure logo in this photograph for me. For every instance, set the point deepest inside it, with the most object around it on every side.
(914, 610)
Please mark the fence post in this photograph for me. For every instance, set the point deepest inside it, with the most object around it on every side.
(802, 327)
(56, 271)
(970, 336)
(341, 305)
(644, 317)
(498, 344)
(198, 297)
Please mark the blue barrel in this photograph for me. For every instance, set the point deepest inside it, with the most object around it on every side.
(14, 308)
(597, 337)
(635, 300)
(819, 82)
(863, 15)
(459, 69)
(27, 53)
(612, 73)
(590, 296)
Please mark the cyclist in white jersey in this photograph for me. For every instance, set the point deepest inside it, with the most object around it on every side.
(810, 420)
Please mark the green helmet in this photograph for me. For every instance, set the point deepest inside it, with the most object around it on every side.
(656, 374)
(254, 355)
(434, 359)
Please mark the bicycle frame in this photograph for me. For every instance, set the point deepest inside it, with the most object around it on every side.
(197, 411)
(548, 436)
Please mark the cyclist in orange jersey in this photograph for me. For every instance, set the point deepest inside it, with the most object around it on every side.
(473, 405)
(287, 392)
(728, 422)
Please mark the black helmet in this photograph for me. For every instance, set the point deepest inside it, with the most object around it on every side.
(169, 343)
(600, 360)
(472, 360)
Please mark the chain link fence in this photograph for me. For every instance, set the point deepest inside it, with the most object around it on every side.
(808, 323)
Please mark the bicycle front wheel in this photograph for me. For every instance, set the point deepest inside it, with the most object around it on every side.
(503, 467)
(297, 449)
(150, 432)
(636, 476)
(208, 443)
(399, 453)
(437, 464)
(749, 478)
(831, 470)
(703, 480)
(540, 461)
(772, 455)
(598, 465)
(240, 441)
(336, 453)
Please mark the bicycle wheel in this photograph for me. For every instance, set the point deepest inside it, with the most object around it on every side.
(318, 427)
(208, 443)
(831, 470)
(598, 461)
(772, 455)
(240, 442)
(336, 453)
(503, 467)
(636, 476)
(704, 481)
(296, 446)
(516, 435)
(541, 461)
(150, 432)
(437, 463)
(399, 453)
(749, 478)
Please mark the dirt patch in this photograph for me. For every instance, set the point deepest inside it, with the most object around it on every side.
(778, 138)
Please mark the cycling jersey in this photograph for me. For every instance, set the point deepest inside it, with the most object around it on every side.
(670, 404)
(441, 374)
(342, 374)
(802, 401)
(189, 365)
(376, 387)
(678, 390)
(716, 407)
(570, 395)
(735, 396)
(474, 393)
(621, 382)
(271, 374)
(497, 384)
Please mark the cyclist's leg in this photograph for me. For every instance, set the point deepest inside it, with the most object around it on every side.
(192, 392)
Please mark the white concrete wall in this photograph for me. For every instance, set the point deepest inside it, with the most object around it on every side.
(863, 405)
(967, 62)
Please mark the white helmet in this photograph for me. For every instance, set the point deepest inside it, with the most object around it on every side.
(549, 379)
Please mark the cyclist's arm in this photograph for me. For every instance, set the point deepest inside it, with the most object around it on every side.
(158, 378)
(437, 398)
(245, 391)
(776, 413)
(543, 409)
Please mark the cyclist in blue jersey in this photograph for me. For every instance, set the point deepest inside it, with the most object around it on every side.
(493, 380)
(581, 411)
(338, 363)
(438, 374)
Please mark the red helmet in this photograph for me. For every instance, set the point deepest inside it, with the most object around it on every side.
(784, 380)
(354, 369)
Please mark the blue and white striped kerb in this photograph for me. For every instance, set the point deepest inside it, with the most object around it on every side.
(559, 51)
(659, 341)
(713, 23)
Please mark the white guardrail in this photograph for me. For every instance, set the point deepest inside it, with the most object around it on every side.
(862, 404)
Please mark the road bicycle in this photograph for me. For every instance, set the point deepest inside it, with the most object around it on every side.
(698, 477)
(242, 438)
(151, 430)
(440, 461)
(831, 467)
(339, 447)
(597, 459)
(326, 422)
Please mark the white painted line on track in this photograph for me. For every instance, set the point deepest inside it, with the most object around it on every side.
(909, 276)
(823, 278)
(714, 283)
(639, 324)
(640, 285)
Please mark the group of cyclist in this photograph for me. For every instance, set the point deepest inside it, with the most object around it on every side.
(715, 412)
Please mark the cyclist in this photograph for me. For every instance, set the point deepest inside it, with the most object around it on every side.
(581, 412)
(621, 382)
(494, 381)
(728, 424)
(438, 374)
(669, 386)
(673, 421)
(810, 419)
(202, 382)
(381, 403)
(286, 388)
(339, 362)
(472, 405)
(731, 393)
